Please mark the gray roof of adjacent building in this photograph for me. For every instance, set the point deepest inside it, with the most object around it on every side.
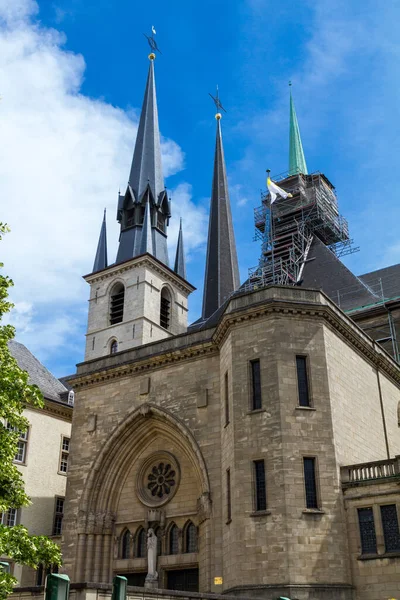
(50, 386)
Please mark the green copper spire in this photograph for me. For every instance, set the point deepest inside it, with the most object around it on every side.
(297, 161)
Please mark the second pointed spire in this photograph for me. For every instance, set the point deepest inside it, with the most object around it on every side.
(297, 161)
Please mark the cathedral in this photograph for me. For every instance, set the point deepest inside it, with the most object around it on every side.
(255, 452)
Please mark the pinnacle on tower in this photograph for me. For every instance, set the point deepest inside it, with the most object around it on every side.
(297, 161)
(222, 271)
(146, 244)
(180, 263)
(146, 183)
(101, 261)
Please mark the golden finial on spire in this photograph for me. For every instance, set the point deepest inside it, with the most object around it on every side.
(152, 56)
(218, 116)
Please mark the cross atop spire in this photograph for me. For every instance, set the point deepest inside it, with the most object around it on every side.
(297, 161)
(222, 272)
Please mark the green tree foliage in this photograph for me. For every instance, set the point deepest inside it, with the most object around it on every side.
(15, 394)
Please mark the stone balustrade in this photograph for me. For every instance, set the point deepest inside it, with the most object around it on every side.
(370, 471)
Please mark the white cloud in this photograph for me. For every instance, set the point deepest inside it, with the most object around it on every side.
(63, 157)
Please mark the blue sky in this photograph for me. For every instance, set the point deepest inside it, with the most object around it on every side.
(72, 76)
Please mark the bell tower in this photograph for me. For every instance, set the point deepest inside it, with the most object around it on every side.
(139, 299)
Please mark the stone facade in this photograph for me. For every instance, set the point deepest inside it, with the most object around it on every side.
(375, 574)
(185, 402)
(143, 279)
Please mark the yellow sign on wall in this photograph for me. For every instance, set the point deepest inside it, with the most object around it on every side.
(218, 581)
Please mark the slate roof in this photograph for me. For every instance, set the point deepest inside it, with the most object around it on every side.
(323, 270)
(222, 271)
(101, 260)
(50, 386)
(390, 278)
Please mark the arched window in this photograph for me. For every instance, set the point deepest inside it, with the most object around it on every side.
(190, 538)
(174, 540)
(141, 543)
(159, 541)
(114, 347)
(126, 544)
(165, 308)
(117, 304)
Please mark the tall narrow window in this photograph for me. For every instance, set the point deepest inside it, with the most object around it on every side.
(141, 544)
(390, 526)
(117, 304)
(126, 544)
(114, 347)
(255, 374)
(260, 487)
(310, 482)
(367, 530)
(64, 456)
(174, 540)
(226, 397)
(302, 381)
(190, 538)
(20, 455)
(9, 518)
(58, 516)
(165, 308)
(228, 496)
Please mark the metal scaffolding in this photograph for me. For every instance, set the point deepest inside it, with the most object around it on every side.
(286, 228)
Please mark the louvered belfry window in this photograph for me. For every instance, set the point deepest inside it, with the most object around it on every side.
(390, 526)
(117, 304)
(367, 530)
(165, 309)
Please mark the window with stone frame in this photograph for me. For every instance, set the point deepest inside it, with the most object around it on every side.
(165, 308)
(64, 455)
(226, 397)
(190, 537)
(367, 530)
(117, 304)
(260, 492)
(114, 347)
(255, 385)
(173, 539)
(310, 482)
(58, 515)
(303, 387)
(9, 518)
(22, 445)
(141, 543)
(126, 544)
(390, 526)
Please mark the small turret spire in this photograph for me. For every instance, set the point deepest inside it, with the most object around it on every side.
(222, 272)
(146, 244)
(180, 263)
(297, 161)
(101, 261)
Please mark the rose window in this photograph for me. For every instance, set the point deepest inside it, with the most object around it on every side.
(161, 480)
(158, 479)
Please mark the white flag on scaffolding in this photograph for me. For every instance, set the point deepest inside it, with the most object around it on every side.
(275, 191)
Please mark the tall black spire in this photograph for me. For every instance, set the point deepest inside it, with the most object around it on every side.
(146, 184)
(101, 261)
(180, 263)
(222, 272)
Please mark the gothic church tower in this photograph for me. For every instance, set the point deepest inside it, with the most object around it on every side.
(139, 299)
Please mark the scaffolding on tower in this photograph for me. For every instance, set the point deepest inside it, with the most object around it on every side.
(287, 227)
